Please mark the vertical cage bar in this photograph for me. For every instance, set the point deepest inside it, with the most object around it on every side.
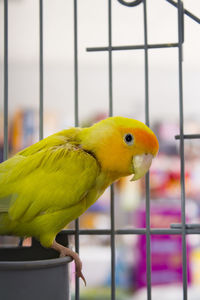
(5, 147)
(146, 64)
(41, 113)
(76, 120)
(112, 206)
(148, 236)
(182, 162)
(76, 116)
(110, 57)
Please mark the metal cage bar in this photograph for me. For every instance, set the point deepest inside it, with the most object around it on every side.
(186, 12)
(5, 147)
(147, 188)
(76, 121)
(174, 230)
(133, 47)
(41, 121)
(181, 127)
(112, 203)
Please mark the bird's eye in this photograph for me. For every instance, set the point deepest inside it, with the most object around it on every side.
(129, 139)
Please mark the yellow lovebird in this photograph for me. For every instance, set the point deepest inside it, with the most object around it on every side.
(47, 185)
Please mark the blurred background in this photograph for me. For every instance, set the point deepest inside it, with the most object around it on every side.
(128, 101)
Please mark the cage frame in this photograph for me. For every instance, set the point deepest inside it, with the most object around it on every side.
(182, 229)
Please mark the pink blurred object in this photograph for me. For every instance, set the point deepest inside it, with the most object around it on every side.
(166, 250)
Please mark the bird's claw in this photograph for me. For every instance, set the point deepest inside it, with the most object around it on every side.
(66, 251)
(79, 274)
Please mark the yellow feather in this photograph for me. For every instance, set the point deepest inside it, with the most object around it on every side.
(51, 183)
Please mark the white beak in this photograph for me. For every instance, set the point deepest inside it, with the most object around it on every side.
(141, 165)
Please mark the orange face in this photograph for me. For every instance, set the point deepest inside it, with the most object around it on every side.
(116, 153)
(145, 141)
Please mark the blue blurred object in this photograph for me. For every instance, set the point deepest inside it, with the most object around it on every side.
(122, 279)
(28, 128)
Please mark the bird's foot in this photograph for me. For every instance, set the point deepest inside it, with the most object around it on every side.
(64, 251)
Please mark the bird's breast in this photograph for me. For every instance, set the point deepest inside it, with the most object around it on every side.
(102, 182)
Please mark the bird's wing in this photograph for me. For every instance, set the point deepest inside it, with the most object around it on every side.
(56, 176)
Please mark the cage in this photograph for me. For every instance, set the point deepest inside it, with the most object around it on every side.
(115, 57)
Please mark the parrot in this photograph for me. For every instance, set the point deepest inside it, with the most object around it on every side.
(52, 182)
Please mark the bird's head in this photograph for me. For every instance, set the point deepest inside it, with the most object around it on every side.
(122, 146)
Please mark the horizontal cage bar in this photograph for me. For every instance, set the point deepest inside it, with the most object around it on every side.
(138, 231)
(188, 136)
(132, 47)
(188, 226)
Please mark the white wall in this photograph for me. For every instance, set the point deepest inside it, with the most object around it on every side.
(128, 66)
